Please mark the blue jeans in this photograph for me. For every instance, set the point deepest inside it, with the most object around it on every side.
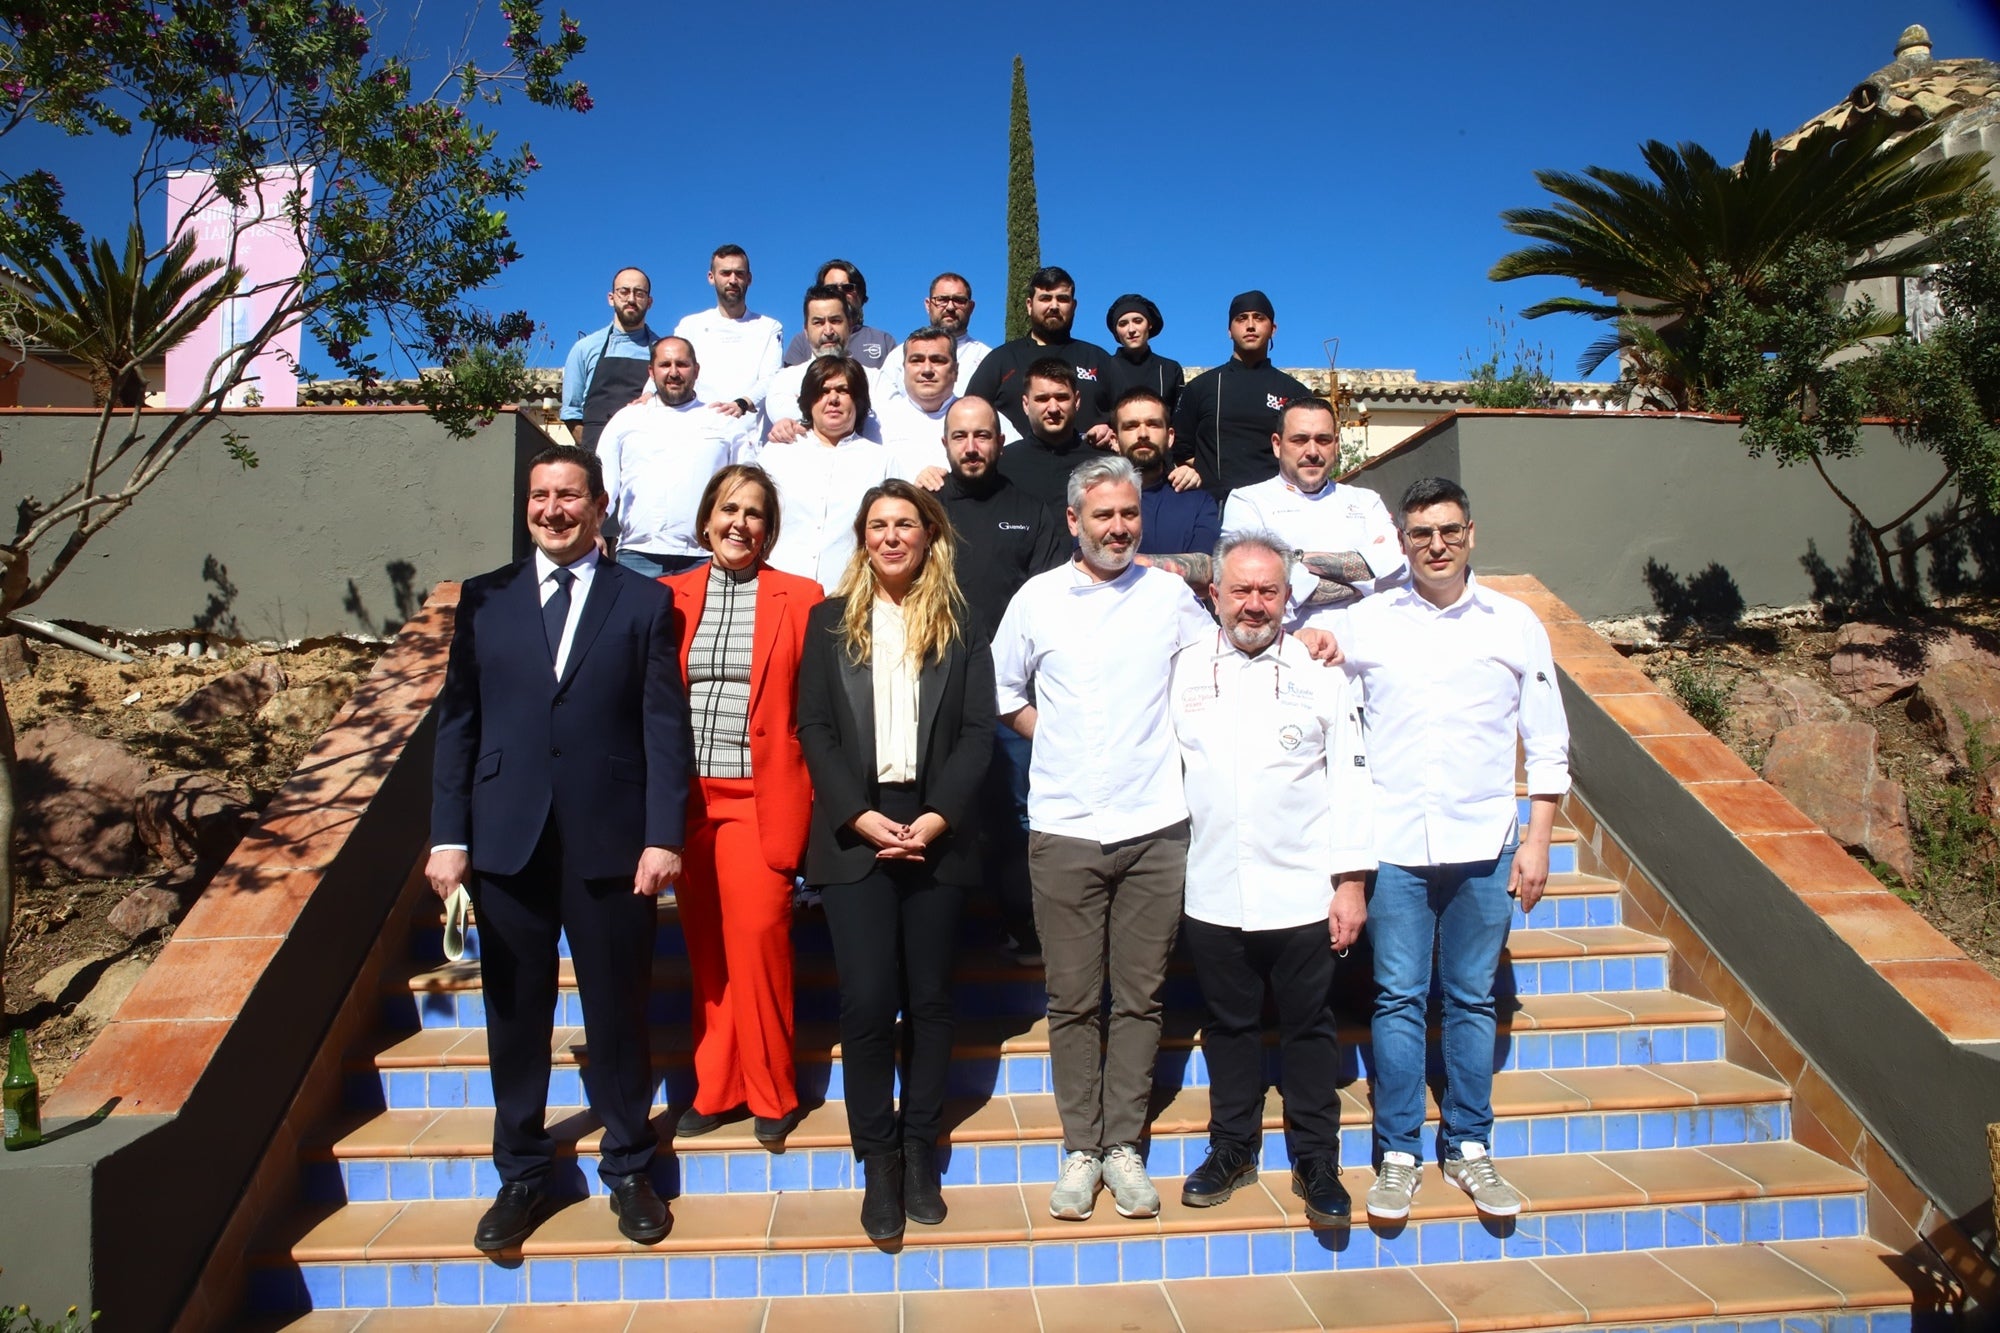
(1463, 911)
(654, 566)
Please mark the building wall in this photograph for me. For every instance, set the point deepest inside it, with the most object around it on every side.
(1584, 501)
(348, 520)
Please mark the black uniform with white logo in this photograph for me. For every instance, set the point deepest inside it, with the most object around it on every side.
(1005, 537)
(1225, 421)
(1003, 377)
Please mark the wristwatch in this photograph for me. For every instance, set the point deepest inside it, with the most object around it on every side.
(744, 403)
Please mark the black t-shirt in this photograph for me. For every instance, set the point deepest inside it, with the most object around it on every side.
(1003, 377)
(1226, 419)
(1042, 471)
(1005, 537)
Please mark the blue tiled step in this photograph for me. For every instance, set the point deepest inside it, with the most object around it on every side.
(1001, 1235)
(1572, 899)
(1809, 1284)
(989, 983)
(443, 1154)
(445, 1066)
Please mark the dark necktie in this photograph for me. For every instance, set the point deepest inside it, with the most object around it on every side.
(555, 611)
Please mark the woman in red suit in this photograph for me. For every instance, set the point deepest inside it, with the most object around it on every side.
(741, 627)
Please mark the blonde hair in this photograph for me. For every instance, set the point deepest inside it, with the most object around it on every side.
(933, 609)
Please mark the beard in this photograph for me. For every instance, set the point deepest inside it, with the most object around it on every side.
(1252, 638)
(1105, 556)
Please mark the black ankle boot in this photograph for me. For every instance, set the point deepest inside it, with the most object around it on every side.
(882, 1200)
(923, 1192)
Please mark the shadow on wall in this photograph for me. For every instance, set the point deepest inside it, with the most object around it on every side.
(1710, 598)
(219, 616)
(1964, 560)
(402, 590)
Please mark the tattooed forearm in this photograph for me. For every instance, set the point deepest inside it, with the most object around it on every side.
(1332, 593)
(1340, 566)
(1193, 566)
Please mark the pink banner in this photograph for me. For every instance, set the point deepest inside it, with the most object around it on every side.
(259, 239)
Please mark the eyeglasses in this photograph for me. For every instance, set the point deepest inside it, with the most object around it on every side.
(630, 291)
(951, 300)
(1452, 533)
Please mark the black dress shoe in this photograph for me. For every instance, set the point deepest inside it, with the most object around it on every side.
(1316, 1180)
(882, 1198)
(641, 1213)
(923, 1192)
(516, 1211)
(693, 1122)
(1227, 1166)
(773, 1129)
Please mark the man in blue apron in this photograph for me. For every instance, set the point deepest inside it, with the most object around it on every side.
(607, 367)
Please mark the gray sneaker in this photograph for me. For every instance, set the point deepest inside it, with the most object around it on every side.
(1395, 1186)
(1132, 1192)
(1075, 1193)
(1473, 1171)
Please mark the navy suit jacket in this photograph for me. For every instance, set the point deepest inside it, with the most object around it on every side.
(604, 750)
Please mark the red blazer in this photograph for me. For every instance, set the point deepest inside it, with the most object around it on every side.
(784, 789)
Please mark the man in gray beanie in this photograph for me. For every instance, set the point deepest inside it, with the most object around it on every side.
(1134, 323)
(1226, 417)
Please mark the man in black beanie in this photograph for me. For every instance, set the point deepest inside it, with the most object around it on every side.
(1134, 323)
(1226, 417)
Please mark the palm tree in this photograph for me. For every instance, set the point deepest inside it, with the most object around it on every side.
(1665, 249)
(112, 314)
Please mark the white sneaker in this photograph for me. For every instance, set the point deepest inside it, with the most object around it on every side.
(1132, 1192)
(1075, 1193)
(1395, 1186)
(1473, 1171)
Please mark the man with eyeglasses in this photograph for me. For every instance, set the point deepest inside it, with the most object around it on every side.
(1454, 673)
(740, 348)
(1347, 540)
(1005, 537)
(869, 346)
(949, 307)
(607, 368)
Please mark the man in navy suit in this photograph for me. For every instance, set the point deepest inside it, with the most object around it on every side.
(559, 800)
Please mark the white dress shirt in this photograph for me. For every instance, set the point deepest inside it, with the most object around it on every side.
(913, 437)
(1278, 788)
(1338, 518)
(971, 352)
(819, 489)
(1448, 690)
(1094, 659)
(737, 357)
(656, 461)
(895, 678)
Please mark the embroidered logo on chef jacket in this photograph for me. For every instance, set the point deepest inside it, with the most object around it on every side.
(1196, 698)
(874, 350)
(1087, 373)
(1005, 526)
(1272, 401)
(1290, 736)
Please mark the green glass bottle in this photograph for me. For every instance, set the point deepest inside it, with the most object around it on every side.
(20, 1096)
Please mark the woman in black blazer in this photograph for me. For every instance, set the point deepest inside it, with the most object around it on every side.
(896, 718)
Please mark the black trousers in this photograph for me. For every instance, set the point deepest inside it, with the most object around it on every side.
(1233, 967)
(895, 936)
(611, 933)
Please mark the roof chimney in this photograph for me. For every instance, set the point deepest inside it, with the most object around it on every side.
(1914, 46)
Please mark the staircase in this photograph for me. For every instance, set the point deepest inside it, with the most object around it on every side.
(1664, 1189)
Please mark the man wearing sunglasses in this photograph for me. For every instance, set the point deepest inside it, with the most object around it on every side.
(1454, 672)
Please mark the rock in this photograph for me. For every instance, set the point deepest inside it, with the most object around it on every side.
(306, 709)
(52, 983)
(1874, 663)
(144, 909)
(110, 991)
(187, 817)
(242, 691)
(1827, 769)
(1959, 700)
(76, 796)
(17, 659)
(1764, 706)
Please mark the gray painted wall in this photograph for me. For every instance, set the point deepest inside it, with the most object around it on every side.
(349, 520)
(1583, 500)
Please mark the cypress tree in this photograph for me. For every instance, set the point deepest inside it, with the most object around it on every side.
(1024, 217)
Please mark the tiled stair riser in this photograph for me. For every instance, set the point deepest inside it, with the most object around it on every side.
(1029, 1072)
(693, 1170)
(991, 998)
(1056, 1262)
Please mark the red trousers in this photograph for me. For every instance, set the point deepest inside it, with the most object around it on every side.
(737, 915)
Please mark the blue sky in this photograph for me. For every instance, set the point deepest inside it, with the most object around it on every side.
(1348, 159)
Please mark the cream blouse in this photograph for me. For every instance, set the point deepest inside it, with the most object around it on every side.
(895, 677)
